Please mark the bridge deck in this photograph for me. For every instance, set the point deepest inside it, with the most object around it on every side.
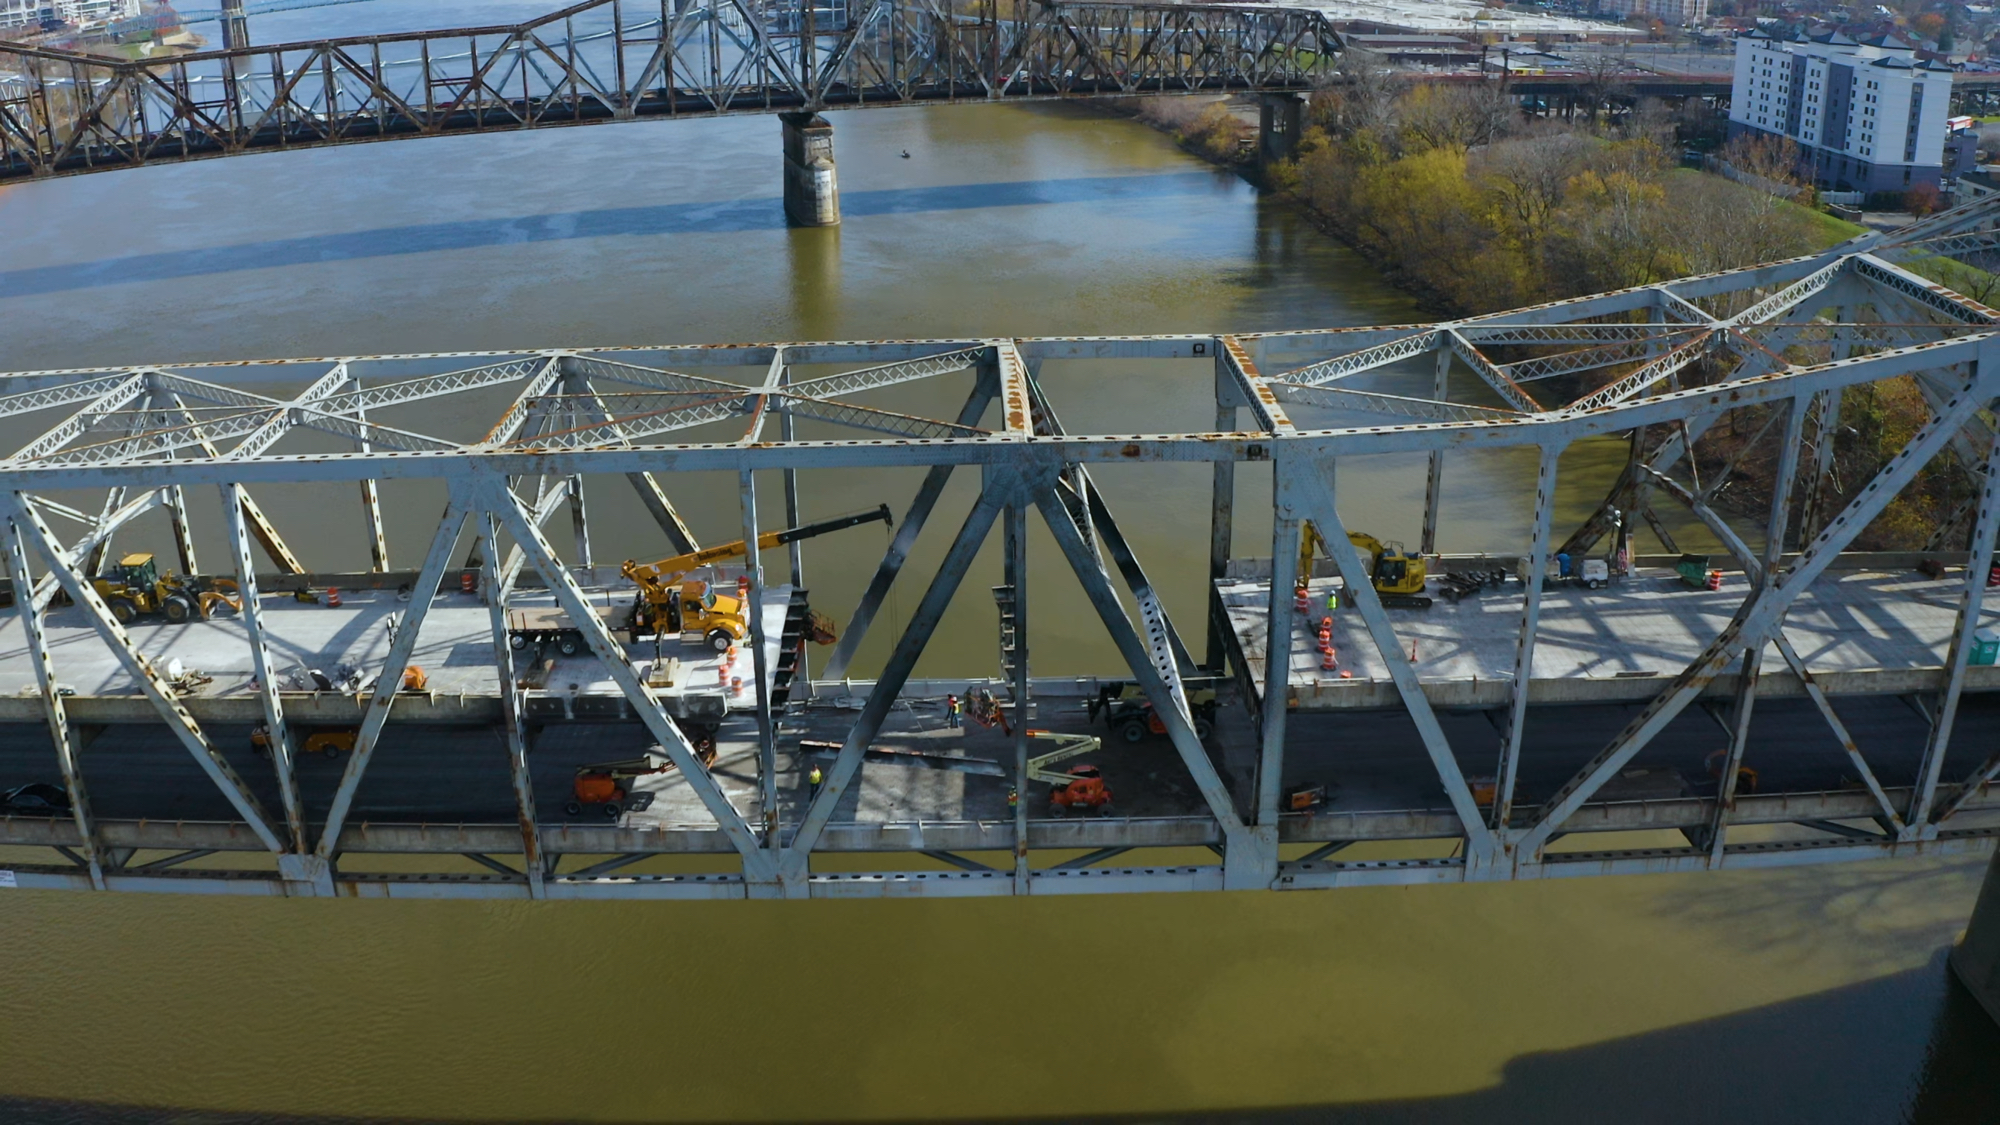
(455, 649)
(1859, 632)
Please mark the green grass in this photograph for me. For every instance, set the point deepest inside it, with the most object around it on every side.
(1831, 229)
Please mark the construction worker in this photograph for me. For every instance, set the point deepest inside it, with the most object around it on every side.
(813, 781)
(951, 711)
(1013, 798)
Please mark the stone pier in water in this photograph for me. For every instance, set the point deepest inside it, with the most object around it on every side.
(812, 191)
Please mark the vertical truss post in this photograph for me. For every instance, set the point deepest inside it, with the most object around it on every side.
(1320, 505)
(85, 595)
(757, 868)
(371, 498)
(277, 737)
(1017, 577)
(394, 667)
(1739, 739)
(1753, 654)
(1285, 577)
(1524, 645)
(513, 734)
(767, 738)
(579, 521)
(1434, 482)
(994, 494)
(905, 538)
(53, 708)
(1250, 855)
(1221, 523)
(1917, 824)
(183, 538)
(796, 549)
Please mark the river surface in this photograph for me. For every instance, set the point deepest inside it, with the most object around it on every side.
(1794, 995)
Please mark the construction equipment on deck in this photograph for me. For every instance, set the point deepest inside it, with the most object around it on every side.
(982, 708)
(332, 743)
(1127, 710)
(1397, 575)
(136, 589)
(607, 785)
(1080, 786)
(671, 602)
(1695, 571)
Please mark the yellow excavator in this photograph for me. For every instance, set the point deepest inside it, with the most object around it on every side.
(1397, 575)
(135, 588)
(671, 602)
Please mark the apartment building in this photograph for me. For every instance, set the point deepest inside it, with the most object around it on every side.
(1867, 115)
(1675, 13)
(24, 13)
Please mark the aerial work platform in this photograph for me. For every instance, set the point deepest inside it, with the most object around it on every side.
(1860, 632)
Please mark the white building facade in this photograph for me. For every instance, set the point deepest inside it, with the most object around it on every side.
(1675, 13)
(1867, 116)
(25, 13)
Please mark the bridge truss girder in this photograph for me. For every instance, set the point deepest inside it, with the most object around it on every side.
(1767, 343)
(610, 60)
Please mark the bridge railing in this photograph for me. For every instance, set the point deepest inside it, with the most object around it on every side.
(63, 112)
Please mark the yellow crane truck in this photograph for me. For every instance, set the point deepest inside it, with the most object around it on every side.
(671, 602)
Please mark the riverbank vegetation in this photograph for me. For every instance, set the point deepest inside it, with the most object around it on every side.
(1476, 209)
(1462, 201)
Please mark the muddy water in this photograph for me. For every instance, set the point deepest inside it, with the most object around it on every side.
(1793, 995)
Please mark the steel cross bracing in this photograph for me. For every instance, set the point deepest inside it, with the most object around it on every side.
(1771, 346)
(613, 60)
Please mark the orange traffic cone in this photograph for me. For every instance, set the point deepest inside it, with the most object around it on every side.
(332, 597)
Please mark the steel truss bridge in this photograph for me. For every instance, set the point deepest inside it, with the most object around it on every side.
(1770, 349)
(615, 60)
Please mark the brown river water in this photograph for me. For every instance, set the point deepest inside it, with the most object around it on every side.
(1809, 994)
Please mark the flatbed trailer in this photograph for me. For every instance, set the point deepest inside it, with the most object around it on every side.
(552, 627)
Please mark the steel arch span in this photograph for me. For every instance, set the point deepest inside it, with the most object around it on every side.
(1769, 350)
(597, 61)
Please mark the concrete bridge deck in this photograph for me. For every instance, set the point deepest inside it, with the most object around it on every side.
(1859, 632)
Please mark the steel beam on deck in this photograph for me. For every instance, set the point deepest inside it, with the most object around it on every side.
(182, 724)
(1318, 501)
(513, 733)
(53, 710)
(394, 666)
(1763, 610)
(1514, 738)
(1917, 821)
(995, 492)
(278, 737)
(767, 733)
(1250, 853)
(497, 498)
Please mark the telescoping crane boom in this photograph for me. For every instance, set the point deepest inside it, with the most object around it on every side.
(668, 601)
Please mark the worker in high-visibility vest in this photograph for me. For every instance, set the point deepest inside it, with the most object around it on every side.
(813, 781)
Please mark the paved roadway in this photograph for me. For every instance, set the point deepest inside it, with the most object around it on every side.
(452, 775)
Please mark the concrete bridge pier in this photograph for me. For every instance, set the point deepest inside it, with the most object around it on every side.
(235, 25)
(1977, 958)
(812, 193)
(1280, 117)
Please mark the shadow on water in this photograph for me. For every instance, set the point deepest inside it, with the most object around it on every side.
(1747, 1067)
(720, 217)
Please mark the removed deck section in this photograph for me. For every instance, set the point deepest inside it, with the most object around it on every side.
(1859, 632)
